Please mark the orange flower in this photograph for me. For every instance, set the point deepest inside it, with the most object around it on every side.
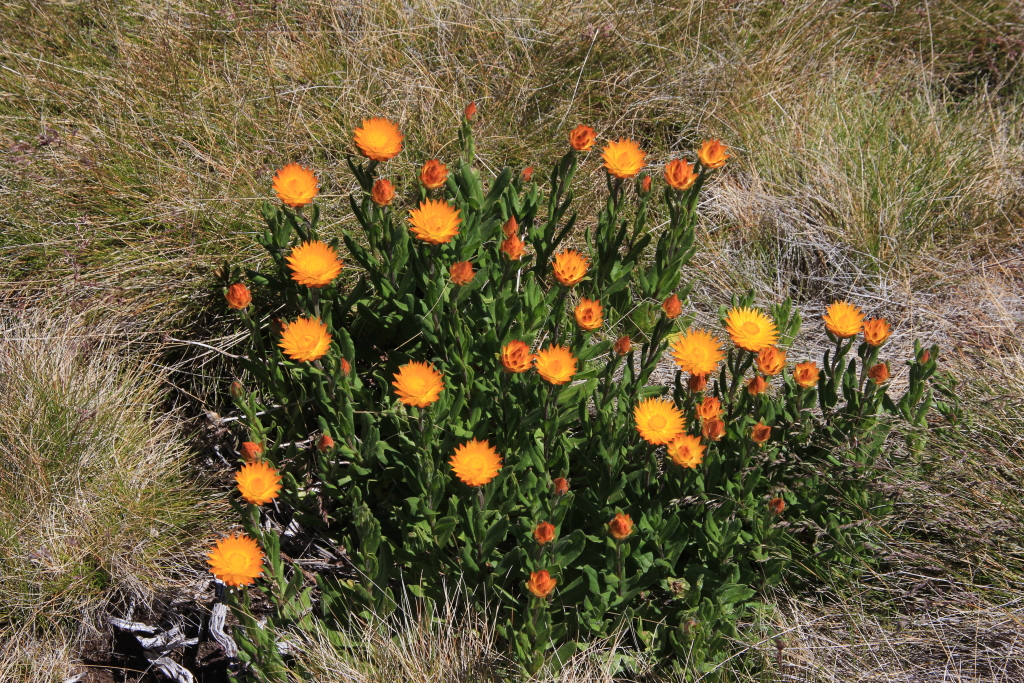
(238, 296)
(876, 331)
(879, 373)
(645, 185)
(324, 443)
(345, 367)
(623, 345)
(475, 463)
(623, 159)
(806, 374)
(383, 192)
(528, 174)
(516, 356)
(712, 154)
(305, 340)
(658, 421)
(433, 174)
(258, 482)
(582, 138)
(588, 314)
(513, 247)
(679, 174)
(713, 430)
(697, 383)
(435, 221)
(251, 451)
(461, 273)
(750, 329)
(561, 486)
(686, 450)
(418, 384)
(570, 267)
(544, 533)
(760, 433)
(620, 527)
(555, 364)
(295, 185)
(511, 227)
(236, 560)
(844, 320)
(672, 307)
(378, 139)
(697, 352)
(757, 385)
(776, 506)
(470, 111)
(314, 264)
(771, 360)
(541, 583)
(709, 409)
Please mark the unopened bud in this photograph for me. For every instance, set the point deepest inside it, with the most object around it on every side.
(345, 367)
(325, 443)
(561, 486)
(251, 451)
(645, 185)
(236, 389)
(623, 345)
(527, 174)
(697, 383)
(470, 111)
(673, 307)
(776, 506)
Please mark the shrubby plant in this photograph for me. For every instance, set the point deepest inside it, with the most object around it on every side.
(477, 413)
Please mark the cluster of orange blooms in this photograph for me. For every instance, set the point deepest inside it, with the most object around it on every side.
(236, 560)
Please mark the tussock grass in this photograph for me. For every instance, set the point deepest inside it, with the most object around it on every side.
(98, 503)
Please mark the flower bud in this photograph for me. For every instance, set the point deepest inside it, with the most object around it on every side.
(806, 374)
(679, 174)
(620, 527)
(541, 583)
(251, 451)
(713, 429)
(511, 227)
(513, 247)
(516, 356)
(776, 506)
(672, 307)
(346, 369)
(879, 373)
(760, 433)
(623, 345)
(544, 533)
(582, 138)
(462, 273)
(645, 184)
(470, 111)
(561, 486)
(713, 154)
(757, 385)
(876, 331)
(771, 360)
(710, 408)
(236, 389)
(925, 357)
(528, 174)
(433, 174)
(324, 443)
(383, 192)
(238, 296)
(697, 383)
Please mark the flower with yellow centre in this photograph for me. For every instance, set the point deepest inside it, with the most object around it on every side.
(378, 139)
(686, 450)
(544, 532)
(433, 174)
(461, 273)
(709, 409)
(555, 364)
(697, 352)
(238, 296)
(621, 527)
(418, 384)
(844, 320)
(295, 185)
(513, 247)
(712, 154)
(589, 314)
(570, 267)
(876, 331)
(258, 482)
(760, 433)
(623, 159)
(757, 385)
(383, 192)
(516, 356)
(771, 360)
(435, 221)
(658, 421)
(713, 430)
(672, 307)
(236, 560)
(541, 583)
(475, 463)
(806, 374)
(582, 138)
(314, 264)
(750, 329)
(679, 174)
(305, 340)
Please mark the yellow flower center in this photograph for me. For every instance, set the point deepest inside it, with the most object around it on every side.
(237, 560)
(751, 327)
(658, 422)
(258, 484)
(555, 367)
